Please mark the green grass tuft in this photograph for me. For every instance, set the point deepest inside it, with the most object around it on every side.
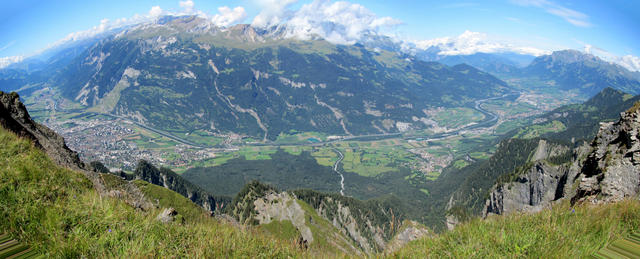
(563, 232)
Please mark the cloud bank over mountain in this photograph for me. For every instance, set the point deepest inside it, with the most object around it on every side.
(470, 42)
(338, 22)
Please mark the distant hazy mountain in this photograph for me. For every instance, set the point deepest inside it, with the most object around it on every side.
(571, 69)
(494, 63)
(565, 70)
(183, 74)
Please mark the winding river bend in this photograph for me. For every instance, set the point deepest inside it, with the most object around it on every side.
(335, 169)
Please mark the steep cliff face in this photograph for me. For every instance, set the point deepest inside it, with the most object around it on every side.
(282, 206)
(611, 170)
(541, 184)
(370, 224)
(535, 185)
(263, 205)
(607, 170)
(170, 180)
(469, 198)
(370, 238)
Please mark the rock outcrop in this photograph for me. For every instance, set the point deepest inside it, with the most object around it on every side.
(607, 170)
(350, 225)
(282, 206)
(167, 215)
(368, 223)
(409, 231)
(611, 171)
(540, 185)
(534, 186)
(260, 204)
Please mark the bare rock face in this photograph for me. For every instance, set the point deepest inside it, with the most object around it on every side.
(344, 218)
(451, 221)
(282, 206)
(611, 171)
(607, 170)
(536, 189)
(533, 189)
(409, 231)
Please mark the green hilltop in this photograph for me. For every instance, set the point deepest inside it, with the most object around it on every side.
(58, 213)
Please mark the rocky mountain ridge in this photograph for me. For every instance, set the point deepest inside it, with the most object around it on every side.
(348, 224)
(606, 170)
(586, 73)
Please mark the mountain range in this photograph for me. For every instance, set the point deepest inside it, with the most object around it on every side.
(181, 74)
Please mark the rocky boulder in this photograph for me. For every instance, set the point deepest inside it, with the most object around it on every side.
(167, 215)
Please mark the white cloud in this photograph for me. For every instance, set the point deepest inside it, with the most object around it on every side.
(228, 16)
(571, 16)
(339, 22)
(155, 11)
(273, 12)
(6, 61)
(629, 62)
(470, 42)
(108, 25)
(187, 6)
(105, 25)
(632, 63)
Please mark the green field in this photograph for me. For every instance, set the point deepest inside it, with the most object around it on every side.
(457, 117)
(202, 138)
(540, 129)
(300, 137)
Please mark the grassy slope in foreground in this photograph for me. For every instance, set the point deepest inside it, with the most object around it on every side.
(562, 232)
(57, 212)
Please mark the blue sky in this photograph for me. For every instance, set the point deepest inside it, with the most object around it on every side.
(28, 26)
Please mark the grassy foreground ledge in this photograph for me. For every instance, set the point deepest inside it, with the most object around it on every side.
(58, 213)
(562, 232)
